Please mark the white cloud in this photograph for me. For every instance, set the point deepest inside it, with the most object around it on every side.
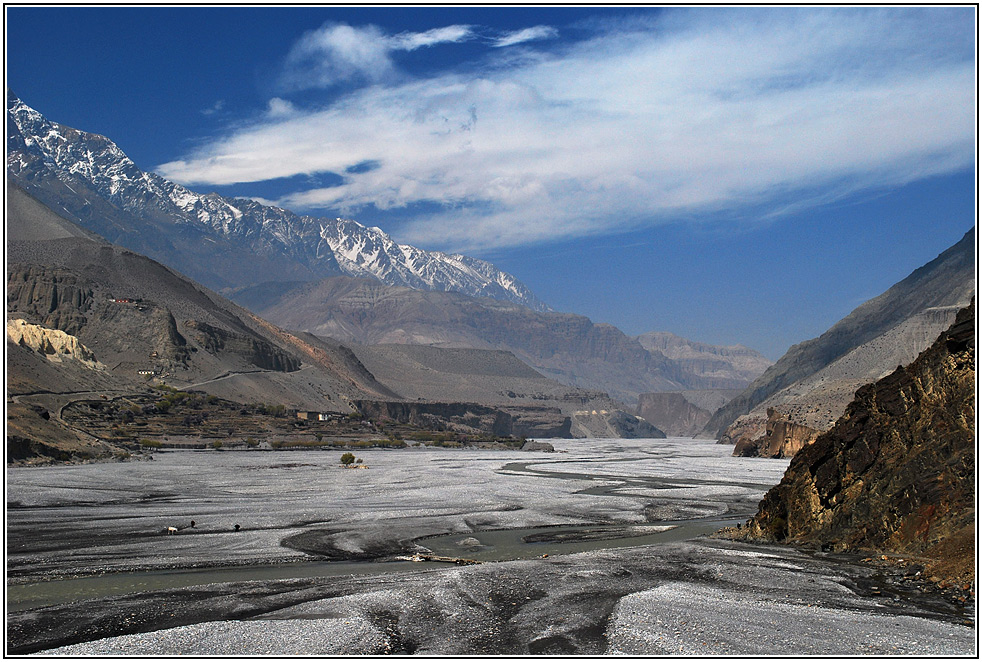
(635, 126)
(527, 34)
(280, 108)
(410, 41)
(214, 108)
(337, 53)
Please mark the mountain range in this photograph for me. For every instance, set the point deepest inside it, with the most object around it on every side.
(88, 320)
(221, 242)
(334, 282)
(336, 278)
(567, 347)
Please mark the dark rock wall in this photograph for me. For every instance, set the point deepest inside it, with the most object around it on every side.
(897, 471)
(49, 297)
(472, 418)
(258, 352)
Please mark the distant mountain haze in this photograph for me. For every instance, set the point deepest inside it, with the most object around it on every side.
(726, 363)
(566, 347)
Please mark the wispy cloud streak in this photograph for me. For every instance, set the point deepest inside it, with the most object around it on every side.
(645, 121)
(528, 34)
(337, 53)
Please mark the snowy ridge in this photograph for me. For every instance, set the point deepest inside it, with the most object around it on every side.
(324, 246)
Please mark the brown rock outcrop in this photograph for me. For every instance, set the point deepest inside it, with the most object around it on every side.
(782, 438)
(897, 471)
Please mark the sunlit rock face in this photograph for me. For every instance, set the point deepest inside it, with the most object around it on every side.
(782, 438)
(897, 472)
(54, 344)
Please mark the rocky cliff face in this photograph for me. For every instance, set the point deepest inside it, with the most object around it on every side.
(259, 352)
(616, 423)
(55, 297)
(54, 344)
(817, 401)
(897, 472)
(723, 367)
(781, 438)
(672, 413)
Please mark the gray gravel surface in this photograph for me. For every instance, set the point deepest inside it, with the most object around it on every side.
(691, 597)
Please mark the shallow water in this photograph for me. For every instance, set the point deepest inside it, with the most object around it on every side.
(532, 542)
(61, 591)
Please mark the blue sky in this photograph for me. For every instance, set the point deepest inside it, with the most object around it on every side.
(733, 175)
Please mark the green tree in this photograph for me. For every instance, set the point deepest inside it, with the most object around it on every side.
(347, 459)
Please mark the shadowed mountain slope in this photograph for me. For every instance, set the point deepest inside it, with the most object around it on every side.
(812, 383)
(566, 347)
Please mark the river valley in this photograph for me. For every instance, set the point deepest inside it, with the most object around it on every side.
(598, 548)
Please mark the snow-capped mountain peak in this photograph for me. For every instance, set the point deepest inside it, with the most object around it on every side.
(176, 225)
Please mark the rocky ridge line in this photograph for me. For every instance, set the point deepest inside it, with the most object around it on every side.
(165, 220)
(814, 381)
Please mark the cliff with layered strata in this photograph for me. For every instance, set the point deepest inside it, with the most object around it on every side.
(896, 473)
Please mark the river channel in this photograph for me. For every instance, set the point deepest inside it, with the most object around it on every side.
(593, 549)
(98, 530)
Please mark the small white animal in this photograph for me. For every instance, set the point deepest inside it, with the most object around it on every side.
(171, 530)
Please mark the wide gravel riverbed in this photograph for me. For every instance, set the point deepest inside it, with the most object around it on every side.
(589, 550)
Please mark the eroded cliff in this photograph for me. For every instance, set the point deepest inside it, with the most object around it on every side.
(781, 438)
(55, 345)
(897, 472)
